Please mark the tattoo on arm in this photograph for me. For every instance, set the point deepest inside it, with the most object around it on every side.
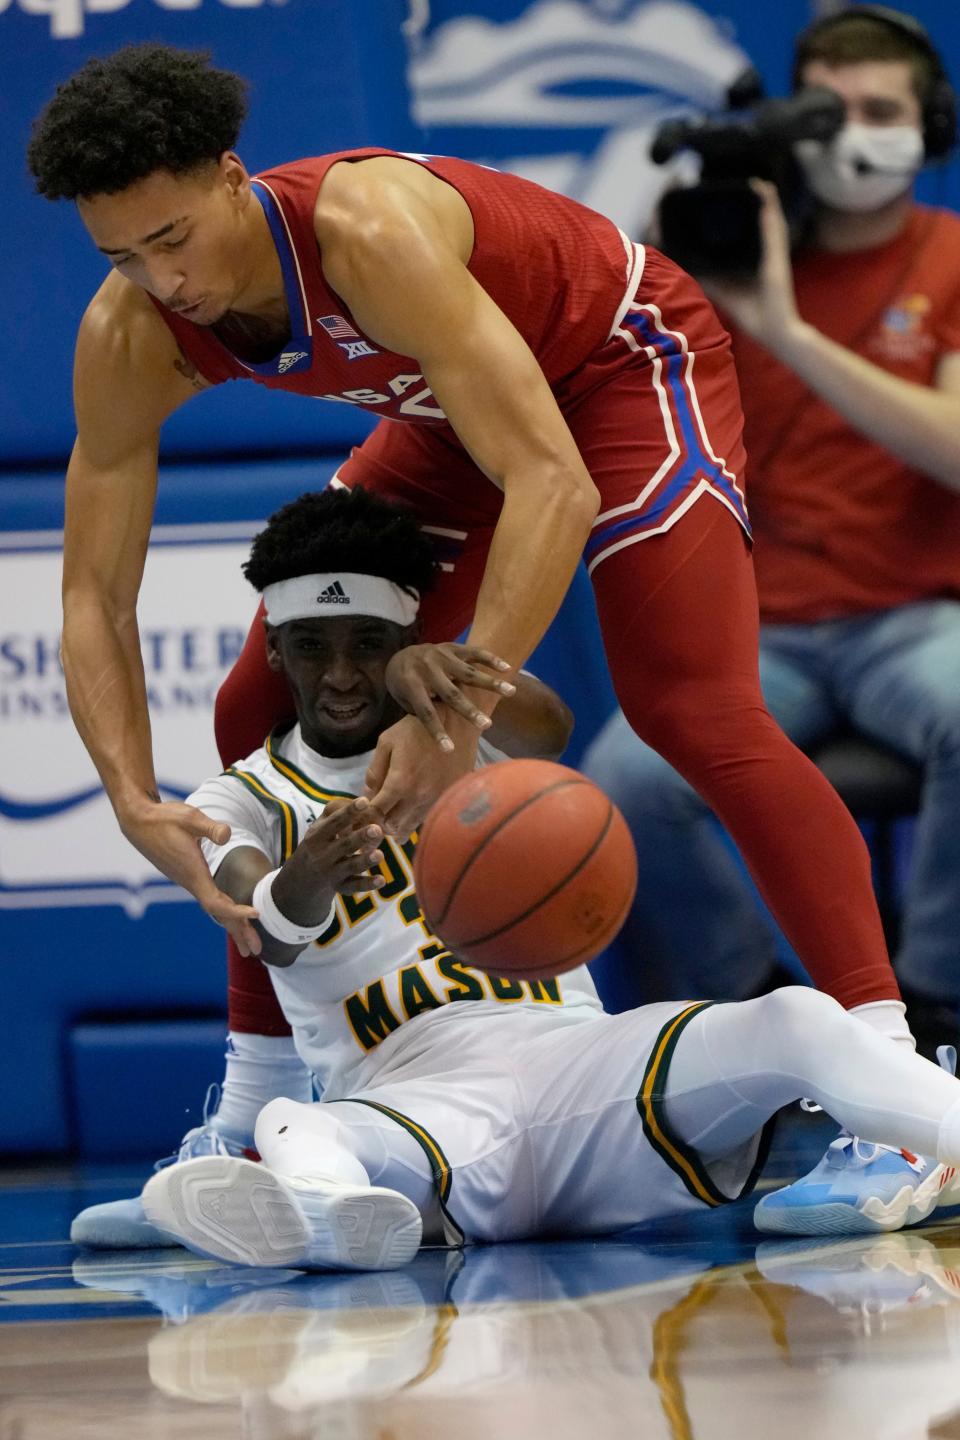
(189, 372)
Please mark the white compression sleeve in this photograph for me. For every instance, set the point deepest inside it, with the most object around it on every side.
(736, 1065)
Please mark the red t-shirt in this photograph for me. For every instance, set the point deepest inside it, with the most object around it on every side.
(841, 526)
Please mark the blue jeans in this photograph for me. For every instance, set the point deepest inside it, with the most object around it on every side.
(698, 927)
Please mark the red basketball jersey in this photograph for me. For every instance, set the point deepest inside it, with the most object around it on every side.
(559, 271)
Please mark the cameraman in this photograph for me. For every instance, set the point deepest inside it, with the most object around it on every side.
(849, 364)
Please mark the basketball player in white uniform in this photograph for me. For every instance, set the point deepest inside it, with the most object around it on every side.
(456, 1106)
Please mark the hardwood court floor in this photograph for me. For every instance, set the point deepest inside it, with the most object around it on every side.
(688, 1332)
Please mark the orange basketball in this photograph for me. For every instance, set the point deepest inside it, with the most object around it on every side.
(525, 869)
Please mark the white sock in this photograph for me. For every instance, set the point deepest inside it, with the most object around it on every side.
(887, 1017)
(259, 1068)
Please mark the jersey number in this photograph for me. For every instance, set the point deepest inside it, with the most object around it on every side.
(412, 405)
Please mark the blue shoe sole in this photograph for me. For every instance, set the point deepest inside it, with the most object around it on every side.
(118, 1225)
(816, 1220)
(911, 1205)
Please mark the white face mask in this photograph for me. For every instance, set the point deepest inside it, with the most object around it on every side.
(863, 167)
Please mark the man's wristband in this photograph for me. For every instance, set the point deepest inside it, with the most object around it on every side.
(276, 923)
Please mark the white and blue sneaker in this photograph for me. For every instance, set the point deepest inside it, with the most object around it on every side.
(117, 1225)
(857, 1188)
(230, 1209)
(121, 1224)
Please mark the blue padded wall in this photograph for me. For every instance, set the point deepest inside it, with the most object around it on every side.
(137, 1087)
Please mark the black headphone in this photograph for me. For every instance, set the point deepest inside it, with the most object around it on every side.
(940, 106)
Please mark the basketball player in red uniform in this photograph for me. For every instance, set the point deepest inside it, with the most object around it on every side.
(548, 390)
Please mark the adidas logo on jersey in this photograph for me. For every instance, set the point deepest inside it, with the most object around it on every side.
(288, 359)
(333, 595)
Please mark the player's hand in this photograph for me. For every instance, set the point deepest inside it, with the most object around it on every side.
(766, 307)
(168, 833)
(407, 775)
(420, 675)
(334, 856)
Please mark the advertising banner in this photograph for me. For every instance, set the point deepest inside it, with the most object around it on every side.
(59, 842)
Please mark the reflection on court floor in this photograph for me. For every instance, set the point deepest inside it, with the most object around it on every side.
(693, 1330)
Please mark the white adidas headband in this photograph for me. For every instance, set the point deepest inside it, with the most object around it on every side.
(312, 597)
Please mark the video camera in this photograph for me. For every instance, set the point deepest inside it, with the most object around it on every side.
(712, 228)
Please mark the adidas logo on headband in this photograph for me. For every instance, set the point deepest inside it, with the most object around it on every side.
(333, 595)
(300, 597)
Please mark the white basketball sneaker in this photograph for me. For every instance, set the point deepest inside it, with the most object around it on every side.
(121, 1224)
(237, 1210)
(858, 1187)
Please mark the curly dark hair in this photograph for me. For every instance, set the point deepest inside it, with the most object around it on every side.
(144, 108)
(339, 529)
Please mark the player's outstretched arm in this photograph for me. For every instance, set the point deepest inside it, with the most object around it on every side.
(395, 246)
(395, 242)
(533, 723)
(126, 383)
(294, 902)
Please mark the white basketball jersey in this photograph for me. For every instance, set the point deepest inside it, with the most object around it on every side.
(377, 967)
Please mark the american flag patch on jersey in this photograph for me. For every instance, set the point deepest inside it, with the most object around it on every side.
(336, 327)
